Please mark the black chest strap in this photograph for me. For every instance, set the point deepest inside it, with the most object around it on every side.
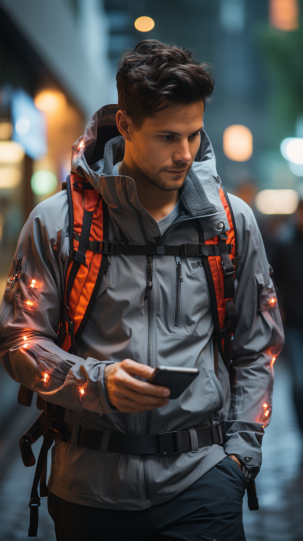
(182, 250)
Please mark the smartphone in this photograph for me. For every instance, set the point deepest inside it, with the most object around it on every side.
(174, 378)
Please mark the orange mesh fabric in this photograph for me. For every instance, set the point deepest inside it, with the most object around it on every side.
(216, 264)
(86, 277)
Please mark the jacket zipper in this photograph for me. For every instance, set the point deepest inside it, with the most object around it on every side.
(179, 280)
(150, 301)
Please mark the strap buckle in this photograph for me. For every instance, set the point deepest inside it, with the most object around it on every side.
(227, 265)
(34, 502)
(79, 257)
(190, 250)
(217, 434)
(52, 431)
(169, 443)
(226, 272)
(108, 248)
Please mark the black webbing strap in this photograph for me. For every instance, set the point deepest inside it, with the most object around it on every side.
(50, 435)
(229, 287)
(253, 503)
(79, 255)
(165, 443)
(182, 250)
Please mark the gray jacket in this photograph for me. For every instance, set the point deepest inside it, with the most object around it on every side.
(159, 331)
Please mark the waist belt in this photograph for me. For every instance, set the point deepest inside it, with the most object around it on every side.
(164, 443)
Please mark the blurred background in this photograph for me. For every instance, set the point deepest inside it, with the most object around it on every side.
(57, 67)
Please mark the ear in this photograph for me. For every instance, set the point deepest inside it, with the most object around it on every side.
(124, 124)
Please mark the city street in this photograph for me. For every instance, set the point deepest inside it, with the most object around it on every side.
(280, 484)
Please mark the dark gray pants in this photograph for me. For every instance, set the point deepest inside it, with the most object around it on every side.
(211, 510)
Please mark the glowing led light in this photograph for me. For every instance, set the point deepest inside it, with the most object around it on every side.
(33, 283)
(144, 24)
(81, 145)
(273, 300)
(238, 143)
(49, 101)
(45, 377)
(277, 201)
(273, 361)
(24, 338)
(25, 346)
(284, 14)
(81, 391)
(29, 303)
(267, 413)
(265, 405)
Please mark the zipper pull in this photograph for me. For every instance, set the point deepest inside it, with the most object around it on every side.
(149, 276)
(178, 263)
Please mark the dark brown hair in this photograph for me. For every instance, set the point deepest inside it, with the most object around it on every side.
(154, 75)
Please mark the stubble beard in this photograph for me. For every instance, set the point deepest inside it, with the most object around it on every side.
(155, 178)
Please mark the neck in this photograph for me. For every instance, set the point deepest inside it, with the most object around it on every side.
(158, 202)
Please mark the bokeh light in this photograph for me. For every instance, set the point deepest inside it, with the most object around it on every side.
(11, 152)
(144, 24)
(238, 143)
(43, 182)
(284, 14)
(23, 125)
(49, 101)
(10, 177)
(277, 201)
(292, 150)
(6, 130)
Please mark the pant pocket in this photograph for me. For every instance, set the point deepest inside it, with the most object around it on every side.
(237, 471)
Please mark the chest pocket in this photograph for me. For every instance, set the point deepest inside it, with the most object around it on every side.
(192, 297)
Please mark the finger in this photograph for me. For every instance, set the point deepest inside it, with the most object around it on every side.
(137, 369)
(143, 387)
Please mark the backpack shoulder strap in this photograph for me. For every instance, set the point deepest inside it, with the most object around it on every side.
(86, 267)
(220, 271)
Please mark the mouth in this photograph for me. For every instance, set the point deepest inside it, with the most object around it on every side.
(176, 172)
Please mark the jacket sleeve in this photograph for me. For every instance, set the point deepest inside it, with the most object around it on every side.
(30, 314)
(257, 341)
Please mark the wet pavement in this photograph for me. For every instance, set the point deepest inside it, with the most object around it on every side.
(280, 484)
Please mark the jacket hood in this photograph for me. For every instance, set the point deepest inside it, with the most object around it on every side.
(96, 152)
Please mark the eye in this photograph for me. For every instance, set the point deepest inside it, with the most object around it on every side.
(195, 134)
(168, 137)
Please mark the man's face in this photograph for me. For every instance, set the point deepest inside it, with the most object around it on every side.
(164, 148)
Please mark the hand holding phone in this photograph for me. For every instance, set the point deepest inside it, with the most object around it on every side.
(174, 378)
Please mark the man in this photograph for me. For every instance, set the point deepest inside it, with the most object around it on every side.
(159, 183)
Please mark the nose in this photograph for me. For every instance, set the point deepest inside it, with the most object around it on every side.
(182, 152)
